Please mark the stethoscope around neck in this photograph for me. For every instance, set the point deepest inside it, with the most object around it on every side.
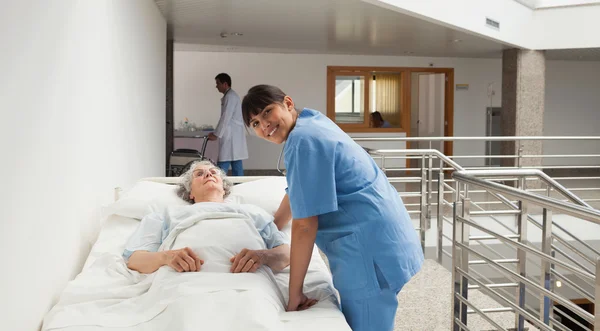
(283, 172)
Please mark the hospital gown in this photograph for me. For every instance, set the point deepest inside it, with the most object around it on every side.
(364, 228)
(155, 227)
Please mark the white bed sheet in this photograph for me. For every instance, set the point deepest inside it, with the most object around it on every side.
(323, 316)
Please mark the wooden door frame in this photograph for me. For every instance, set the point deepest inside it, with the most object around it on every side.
(405, 96)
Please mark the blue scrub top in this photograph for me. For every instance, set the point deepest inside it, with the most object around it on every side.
(364, 228)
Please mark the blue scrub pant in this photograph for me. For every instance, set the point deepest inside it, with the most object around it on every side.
(237, 168)
(376, 313)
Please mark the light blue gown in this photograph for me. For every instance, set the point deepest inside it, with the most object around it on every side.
(155, 227)
(364, 228)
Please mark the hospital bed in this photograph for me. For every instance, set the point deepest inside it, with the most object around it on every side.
(85, 304)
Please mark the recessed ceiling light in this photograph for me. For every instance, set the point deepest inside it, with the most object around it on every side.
(456, 40)
(409, 53)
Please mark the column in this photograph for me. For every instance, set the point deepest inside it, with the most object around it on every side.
(523, 89)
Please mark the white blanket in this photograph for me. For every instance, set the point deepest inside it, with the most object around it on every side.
(109, 295)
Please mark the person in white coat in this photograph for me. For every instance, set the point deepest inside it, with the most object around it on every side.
(231, 130)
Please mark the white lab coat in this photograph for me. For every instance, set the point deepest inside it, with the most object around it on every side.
(231, 129)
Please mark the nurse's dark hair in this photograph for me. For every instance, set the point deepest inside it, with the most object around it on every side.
(259, 97)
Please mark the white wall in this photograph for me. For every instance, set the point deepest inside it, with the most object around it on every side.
(572, 109)
(565, 28)
(572, 102)
(303, 76)
(83, 111)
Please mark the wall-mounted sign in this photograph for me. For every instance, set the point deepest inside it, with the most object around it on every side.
(462, 87)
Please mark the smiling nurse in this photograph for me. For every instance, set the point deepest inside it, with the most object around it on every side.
(339, 197)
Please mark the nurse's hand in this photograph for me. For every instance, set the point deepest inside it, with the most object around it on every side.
(247, 261)
(212, 136)
(300, 302)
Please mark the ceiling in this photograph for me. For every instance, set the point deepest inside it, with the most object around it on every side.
(315, 26)
(318, 26)
(545, 4)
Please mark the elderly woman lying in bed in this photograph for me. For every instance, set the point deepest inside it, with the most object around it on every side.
(206, 187)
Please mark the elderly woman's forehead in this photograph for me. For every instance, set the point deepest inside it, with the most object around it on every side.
(202, 166)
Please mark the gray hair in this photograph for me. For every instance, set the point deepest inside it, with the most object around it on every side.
(185, 184)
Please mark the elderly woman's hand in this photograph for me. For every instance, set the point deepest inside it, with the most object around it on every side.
(183, 260)
(247, 261)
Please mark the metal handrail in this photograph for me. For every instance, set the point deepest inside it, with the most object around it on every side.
(575, 207)
(532, 173)
(511, 172)
(519, 173)
(483, 179)
(584, 212)
(428, 152)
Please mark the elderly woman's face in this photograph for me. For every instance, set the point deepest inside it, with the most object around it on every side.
(205, 178)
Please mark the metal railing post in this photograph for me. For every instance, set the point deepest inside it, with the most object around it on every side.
(522, 264)
(440, 216)
(460, 260)
(464, 259)
(521, 185)
(597, 297)
(546, 276)
(422, 218)
(429, 190)
(519, 153)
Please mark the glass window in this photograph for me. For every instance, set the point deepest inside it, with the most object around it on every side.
(349, 99)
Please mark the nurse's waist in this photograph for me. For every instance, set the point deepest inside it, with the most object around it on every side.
(359, 215)
(364, 234)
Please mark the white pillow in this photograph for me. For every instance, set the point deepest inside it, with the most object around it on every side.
(265, 193)
(144, 198)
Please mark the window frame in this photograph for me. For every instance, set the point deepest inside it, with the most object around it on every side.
(367, 73)
(405, 97)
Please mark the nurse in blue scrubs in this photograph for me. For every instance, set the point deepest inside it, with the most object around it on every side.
(338, 197)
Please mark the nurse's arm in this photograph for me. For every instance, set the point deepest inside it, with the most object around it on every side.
(283, 214)
(304, 233)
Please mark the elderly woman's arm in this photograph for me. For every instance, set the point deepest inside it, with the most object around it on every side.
(146, 262)
(277, 259)
(141, 249)
(182, 260)
(277, 254)
(283, 215)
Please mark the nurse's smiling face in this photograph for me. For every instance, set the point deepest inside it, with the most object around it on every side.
(275, 122)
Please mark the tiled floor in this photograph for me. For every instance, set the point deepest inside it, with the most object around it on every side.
(425, 304)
